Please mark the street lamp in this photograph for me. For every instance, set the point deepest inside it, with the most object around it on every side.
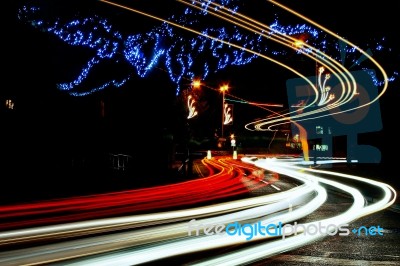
(223, 89)
(196, 83)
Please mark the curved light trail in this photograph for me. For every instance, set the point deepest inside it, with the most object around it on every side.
(356, 211)
(237, 210)
(347, 82)
(155, 236)
(268, 247)
(228, 181)
(289, 43)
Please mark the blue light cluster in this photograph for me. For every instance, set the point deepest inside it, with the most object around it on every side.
(183, 57)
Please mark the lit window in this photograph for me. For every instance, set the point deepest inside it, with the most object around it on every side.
(319, 130)
(9, 104)
(319, 147)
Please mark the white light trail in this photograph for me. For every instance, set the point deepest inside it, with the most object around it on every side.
(356, 211)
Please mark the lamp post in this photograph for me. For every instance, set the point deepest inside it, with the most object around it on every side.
(196, 84)
(299, 44)
(323, 92)
(303, 133)
(318, 72)
(187, 162)
(223, 89)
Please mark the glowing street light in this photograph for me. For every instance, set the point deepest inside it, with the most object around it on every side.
(298, 43)
(196, 84)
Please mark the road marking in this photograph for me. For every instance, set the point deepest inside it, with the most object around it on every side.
(333, 261)
(275, 187)
(198, 170)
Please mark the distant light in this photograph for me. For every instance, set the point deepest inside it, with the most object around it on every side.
(298, 43)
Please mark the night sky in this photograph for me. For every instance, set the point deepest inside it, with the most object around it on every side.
(48, 122)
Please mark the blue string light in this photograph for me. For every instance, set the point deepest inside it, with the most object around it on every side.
(182, 56)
